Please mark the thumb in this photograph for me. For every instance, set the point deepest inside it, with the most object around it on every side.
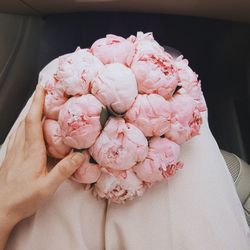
(64, 169)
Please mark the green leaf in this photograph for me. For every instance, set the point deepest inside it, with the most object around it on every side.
(112, 112)
(104, 116)
(178, 87)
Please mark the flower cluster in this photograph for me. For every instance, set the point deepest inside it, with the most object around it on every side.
(127, 105)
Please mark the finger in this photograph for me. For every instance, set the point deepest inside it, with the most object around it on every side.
(17, 137)
(11, 141)
(33, 126)
(64, 169)
(36, 109)
(20, 135)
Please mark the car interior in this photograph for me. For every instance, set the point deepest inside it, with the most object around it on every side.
(214, 36)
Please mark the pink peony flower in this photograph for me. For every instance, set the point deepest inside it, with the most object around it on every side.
(77, 70)
(189, 82)
(146, 45)
(114, 49)
(79, 119)
(129, 104)
(46, 76)
(119, 187)
(120, 146)
(153, 68)
(186, 119)
(53, 137)
(161, 161)
(115, 87)
(151, 114)
(54, 99)
(88, 172)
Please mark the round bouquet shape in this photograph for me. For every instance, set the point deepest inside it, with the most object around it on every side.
(125, 104)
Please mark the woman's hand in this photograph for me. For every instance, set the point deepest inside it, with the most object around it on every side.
(25, 183)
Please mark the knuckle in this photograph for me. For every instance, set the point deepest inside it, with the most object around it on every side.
(11, 137)
(74, 162)
(22, 123)
(44, 192)
(77, 159)
(64, 169)
(28, 120)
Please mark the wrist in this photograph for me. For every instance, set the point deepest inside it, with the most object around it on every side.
(7, 221)
(6, 226)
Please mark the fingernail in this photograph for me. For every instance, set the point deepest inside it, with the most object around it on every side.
(77, 157)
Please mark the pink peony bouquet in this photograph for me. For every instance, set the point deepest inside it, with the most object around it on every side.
(125, 104)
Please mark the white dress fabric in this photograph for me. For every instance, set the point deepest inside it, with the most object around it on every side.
(197, 209)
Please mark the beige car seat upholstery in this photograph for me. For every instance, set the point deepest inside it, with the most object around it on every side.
(240, 172)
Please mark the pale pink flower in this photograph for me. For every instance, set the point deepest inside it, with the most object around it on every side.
(88, 172)
(114, 49)
(77, 70)
(146, 44)
(186, 119)
(119, 187)
(155, 73)
(127, 105)
(161, 161)
(151, 114)
(79, 119)
(54, 99)
(53, 137)
(188, 80)
(46, 76)
(115, 87)
(120, 146)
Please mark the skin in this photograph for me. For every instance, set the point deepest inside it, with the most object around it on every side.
(25, 183)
